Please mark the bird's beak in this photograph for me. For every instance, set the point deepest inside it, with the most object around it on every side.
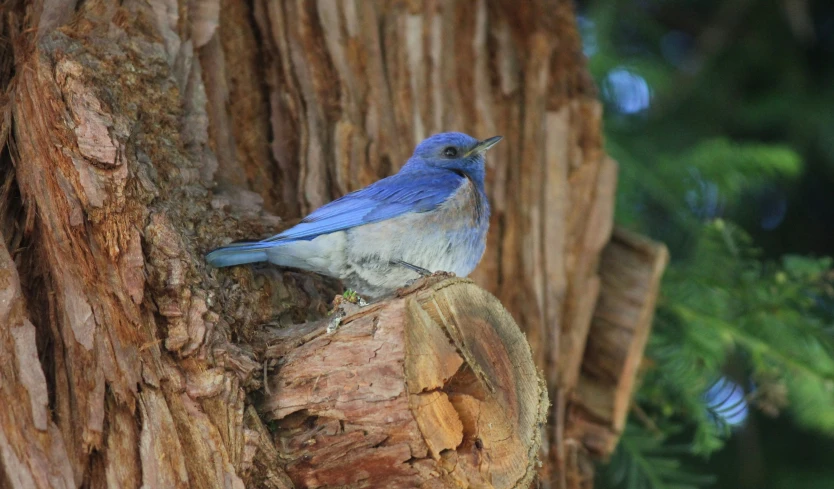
(484, 145)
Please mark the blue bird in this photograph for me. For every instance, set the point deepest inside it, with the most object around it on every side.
(432, 216)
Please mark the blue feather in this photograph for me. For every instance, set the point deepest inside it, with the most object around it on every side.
(238, 254)
(408, 191)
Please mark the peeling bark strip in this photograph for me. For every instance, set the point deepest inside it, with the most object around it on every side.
(137, 134)
(435, 389)
(73, 187)
(631, 269)
(32, 451)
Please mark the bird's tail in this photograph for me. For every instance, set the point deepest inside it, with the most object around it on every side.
(238, 254)
(324, 254)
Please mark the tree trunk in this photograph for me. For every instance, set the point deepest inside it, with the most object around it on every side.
(138, 134)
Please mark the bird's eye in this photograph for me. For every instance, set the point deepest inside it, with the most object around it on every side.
(450, 152)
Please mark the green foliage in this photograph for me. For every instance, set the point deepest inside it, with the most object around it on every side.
(736, 167)
(724, 305)
(644, 461)
(739, 110)
(725, 302)
(684, 184)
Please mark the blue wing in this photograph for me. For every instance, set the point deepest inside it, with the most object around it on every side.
(390, 197)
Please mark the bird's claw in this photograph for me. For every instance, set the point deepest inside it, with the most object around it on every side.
(334, 323)
(423, 282)
(441, 273)
(343, 305)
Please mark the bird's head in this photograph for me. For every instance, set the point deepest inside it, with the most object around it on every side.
(454, 151)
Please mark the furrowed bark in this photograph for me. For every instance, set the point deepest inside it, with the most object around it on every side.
(32, 451)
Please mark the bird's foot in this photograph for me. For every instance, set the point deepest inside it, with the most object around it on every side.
(423, 282)
(441, 273)
(343, 305)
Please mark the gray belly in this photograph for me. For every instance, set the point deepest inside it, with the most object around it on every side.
(435, 241)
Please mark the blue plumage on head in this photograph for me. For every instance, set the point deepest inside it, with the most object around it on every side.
(454, 151)
(436, 145)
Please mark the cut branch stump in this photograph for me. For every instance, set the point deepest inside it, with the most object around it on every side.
(435, 388)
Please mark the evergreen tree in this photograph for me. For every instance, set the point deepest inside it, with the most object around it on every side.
(720, 114)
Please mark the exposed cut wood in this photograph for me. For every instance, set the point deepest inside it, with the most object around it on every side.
(437, 387)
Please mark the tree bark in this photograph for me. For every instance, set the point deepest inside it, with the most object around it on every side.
(630, 271)
(455, 402)
(136, 135)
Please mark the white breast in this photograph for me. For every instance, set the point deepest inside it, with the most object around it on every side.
(451, 238)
